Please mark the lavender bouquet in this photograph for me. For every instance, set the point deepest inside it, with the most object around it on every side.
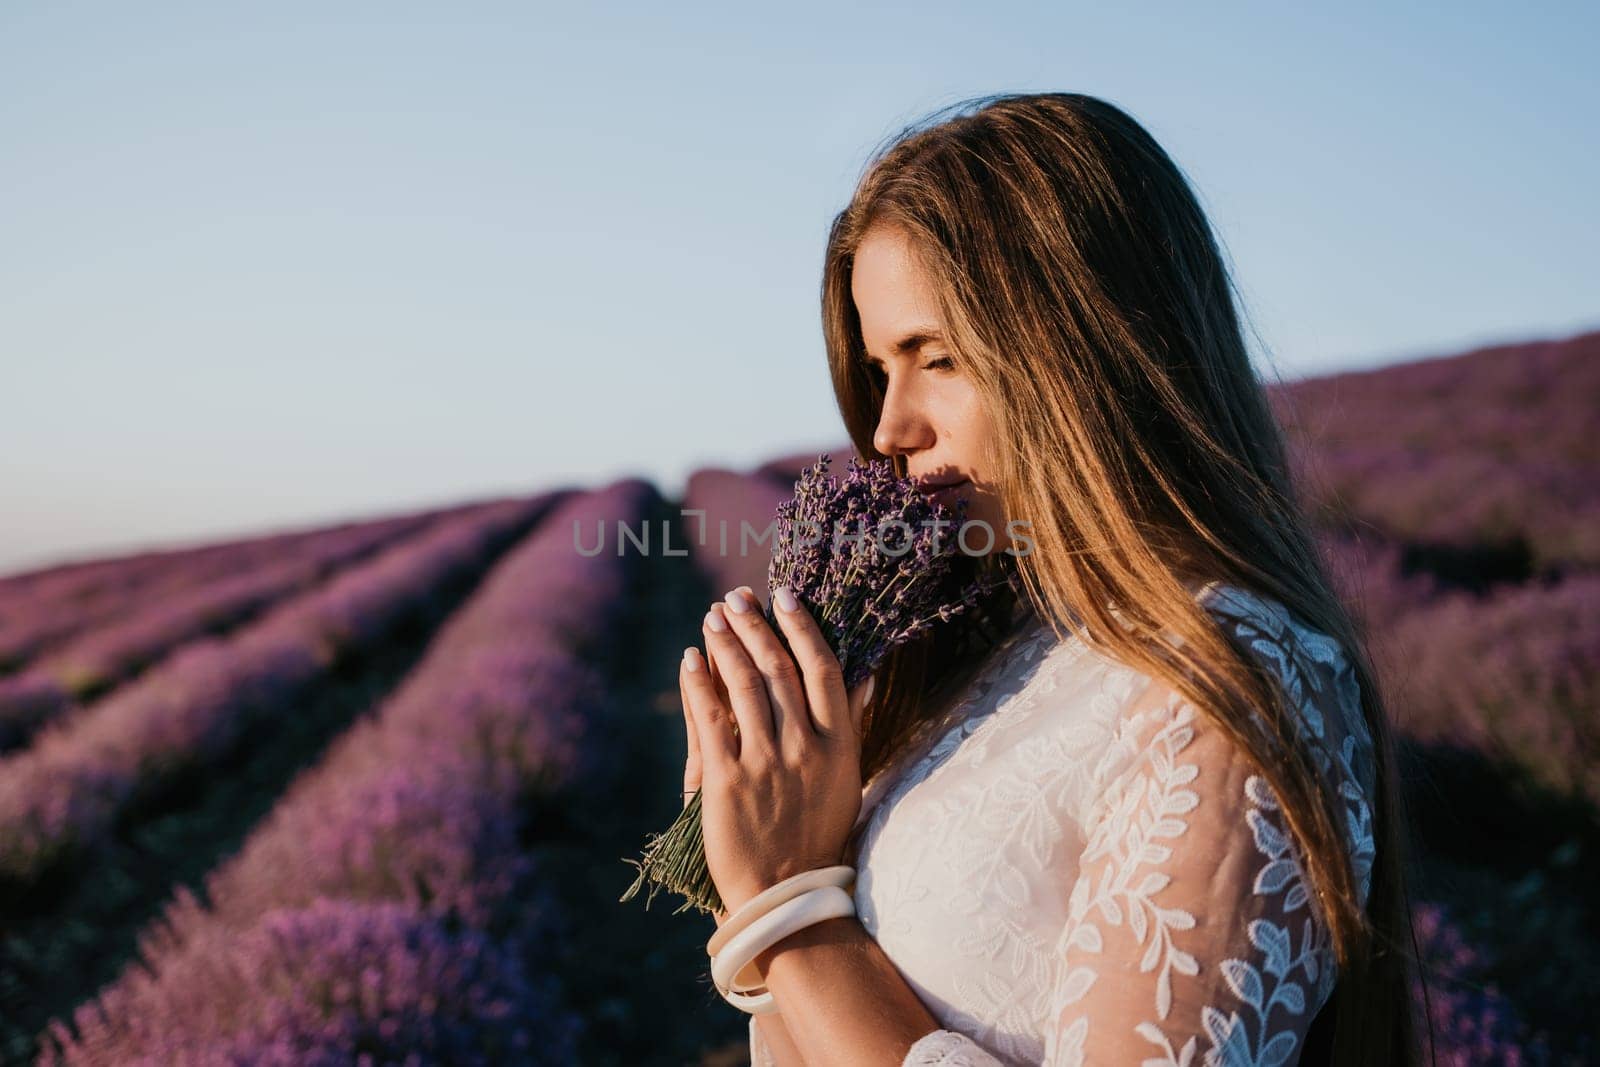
(872, 559)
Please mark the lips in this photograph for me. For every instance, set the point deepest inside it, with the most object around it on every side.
(946, 492)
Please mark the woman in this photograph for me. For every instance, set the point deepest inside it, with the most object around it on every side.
(1145, 813)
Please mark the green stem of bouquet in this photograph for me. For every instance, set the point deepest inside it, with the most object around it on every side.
(676, 860)
(889, 585)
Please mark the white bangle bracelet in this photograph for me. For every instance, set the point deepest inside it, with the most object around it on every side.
(840, 875)
(813, 906)
(752, 1004)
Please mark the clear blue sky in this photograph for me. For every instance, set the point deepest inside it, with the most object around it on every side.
(270, 264)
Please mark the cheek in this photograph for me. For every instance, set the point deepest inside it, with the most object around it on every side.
(967, 421)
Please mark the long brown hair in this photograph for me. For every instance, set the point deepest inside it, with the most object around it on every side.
(1082, 291)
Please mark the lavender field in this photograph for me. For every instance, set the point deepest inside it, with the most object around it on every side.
(368, 790)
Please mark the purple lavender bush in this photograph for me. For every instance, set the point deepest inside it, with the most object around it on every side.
(1367, 572)
(332, 982)
(1471, 1022)
(105, 655)
(871, 558)
(1490, 446)
(735, 511)
(27, 702)
(411, 804)
(40, 611)
(66, 792)
(1515, 674)
(423, 807)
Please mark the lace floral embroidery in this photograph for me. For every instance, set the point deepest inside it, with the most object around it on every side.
(1141, 814)
(1262, 988)
(1296, 968)
(1076, 866)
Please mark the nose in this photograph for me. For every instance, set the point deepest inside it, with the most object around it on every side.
(902, 426)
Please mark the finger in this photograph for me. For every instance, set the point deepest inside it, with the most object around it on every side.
(824, 678)
(717, 745)
(716, 676)
(747, 689)
(722, 690)
(860, 697)
(691, 765)
(716, 671)
(786, 691)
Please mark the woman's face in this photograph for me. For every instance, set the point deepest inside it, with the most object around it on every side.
(932, 415)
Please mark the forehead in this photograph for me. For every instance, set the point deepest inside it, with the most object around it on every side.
(891, 290)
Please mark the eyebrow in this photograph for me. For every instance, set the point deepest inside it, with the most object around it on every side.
(908, 344)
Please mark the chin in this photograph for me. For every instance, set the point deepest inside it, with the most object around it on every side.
(981, 512)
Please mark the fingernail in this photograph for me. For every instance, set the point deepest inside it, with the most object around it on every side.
(872, 681)
(785, 599)
(737, 601)
(716, 622)
(691, 660)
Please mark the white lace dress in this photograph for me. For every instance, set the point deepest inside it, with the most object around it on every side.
(1073, 866)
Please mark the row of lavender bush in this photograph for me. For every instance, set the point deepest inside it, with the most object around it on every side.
(1491, 447)
(96, 660)
(1467, 1020)
(738, 508)
(1512, 673)
(39, 611)
(82, 582)
(390, 905)
(86, 579)
(65, 792)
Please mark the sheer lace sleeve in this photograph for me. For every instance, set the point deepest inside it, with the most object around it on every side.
(760, 1055)
(1192, 936)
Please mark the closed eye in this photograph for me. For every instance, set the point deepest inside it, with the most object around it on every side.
(876, 373)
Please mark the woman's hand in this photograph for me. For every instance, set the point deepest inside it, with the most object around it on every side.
(780, 795)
